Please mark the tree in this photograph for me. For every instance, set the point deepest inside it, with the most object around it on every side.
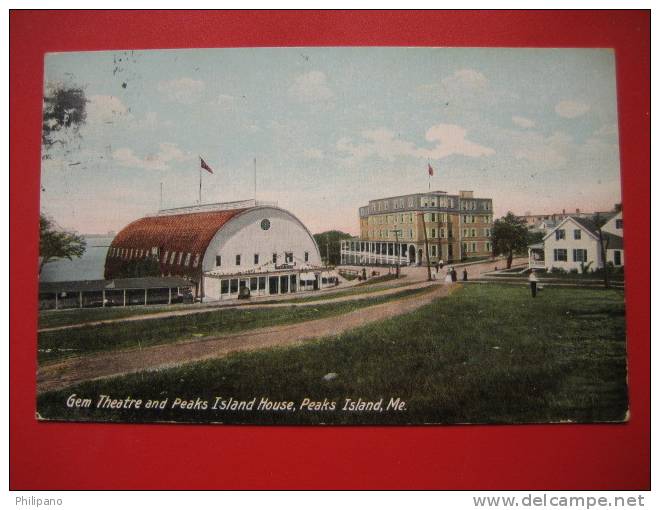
(55, 243)
(603, 243)
(65, 108)
(329, 245)
(509, 236)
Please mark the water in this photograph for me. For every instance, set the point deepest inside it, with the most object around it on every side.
(88, 267)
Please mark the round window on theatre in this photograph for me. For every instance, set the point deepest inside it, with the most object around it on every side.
(265, 224)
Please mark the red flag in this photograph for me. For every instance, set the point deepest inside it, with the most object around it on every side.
(430, 170)
(205, 166)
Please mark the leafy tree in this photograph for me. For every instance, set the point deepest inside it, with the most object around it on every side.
(65, 108)
(509, 235)
(329, 245)
(55, 243)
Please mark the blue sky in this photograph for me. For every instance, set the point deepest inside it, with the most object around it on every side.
(331, 128)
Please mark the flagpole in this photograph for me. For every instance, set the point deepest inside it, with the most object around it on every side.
(429, 171)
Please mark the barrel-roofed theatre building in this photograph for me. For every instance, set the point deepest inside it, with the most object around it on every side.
(223, 248)
(458, 227)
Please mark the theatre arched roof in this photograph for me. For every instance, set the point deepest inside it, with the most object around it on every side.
(181, 233)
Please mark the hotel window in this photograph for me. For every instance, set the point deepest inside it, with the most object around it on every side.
(474, 247)
(473, 232)
(410, 234)
(619, 225)
(187, 262)
(256, 259)
(561, 255)
(442, 232)
(411, 201)
(433, 233)
(238, 260)
(306, 256)
(288, 257)
(465, 232)
(433, 217)
(579, 255)
(434, 251)
(577, 234)
(274, 258)
(560, 234)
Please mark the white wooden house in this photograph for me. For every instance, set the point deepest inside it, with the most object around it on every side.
(572, 244)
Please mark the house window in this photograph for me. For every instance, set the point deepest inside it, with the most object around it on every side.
(180, 258)
(560, 234)
(434, 250)
(256, 258)
(617, 257)
(561, 255)
(579, 255)
(306, 256)
(474, 247)
(288, 257)
(238, 260)
(274, 258)
(172, 256)
(218, 260)
(577, 234)
(474, 233)
(619, 224)
(187, 262)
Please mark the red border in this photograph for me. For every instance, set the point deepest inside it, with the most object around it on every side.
(76, 456)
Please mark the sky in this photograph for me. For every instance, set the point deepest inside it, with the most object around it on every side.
(331, 128)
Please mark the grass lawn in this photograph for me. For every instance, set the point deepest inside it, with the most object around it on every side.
(54, 345)
(486, 354)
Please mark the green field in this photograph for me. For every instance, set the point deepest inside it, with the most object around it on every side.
(485, 354)
(58, 344)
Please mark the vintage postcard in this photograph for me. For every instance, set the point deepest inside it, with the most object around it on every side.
(331, 236)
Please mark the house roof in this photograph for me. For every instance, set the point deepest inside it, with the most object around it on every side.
(588, 225)
(187, 233)
(613, 242)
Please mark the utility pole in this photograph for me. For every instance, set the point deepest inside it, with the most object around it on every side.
(397, 252)
(426, 243)
(327, 250)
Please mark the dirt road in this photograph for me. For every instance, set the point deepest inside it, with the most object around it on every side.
(62, 374)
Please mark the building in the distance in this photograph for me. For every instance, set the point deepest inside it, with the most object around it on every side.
(397, 229)
(223, 249)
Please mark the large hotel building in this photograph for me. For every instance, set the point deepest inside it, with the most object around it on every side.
(458, 227)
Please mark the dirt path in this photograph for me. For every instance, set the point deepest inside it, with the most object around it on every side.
(62, 374)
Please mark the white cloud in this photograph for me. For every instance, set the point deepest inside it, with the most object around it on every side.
(167, 153)
(312, 153)
(467, 88)
(311, 87)
(182, 90)
(451, 140)
(106, 110)
(607, 130)
(523, 122)
(551, 152)
(571, 109)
